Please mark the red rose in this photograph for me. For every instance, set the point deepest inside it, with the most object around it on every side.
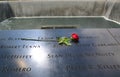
(75, 37)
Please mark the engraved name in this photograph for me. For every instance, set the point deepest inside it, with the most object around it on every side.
(20, 46)
(3, 56)
(77, 55)
(15, 69)
(92, 67)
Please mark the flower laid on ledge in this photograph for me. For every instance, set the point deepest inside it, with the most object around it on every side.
(67, 41)
(75, 37)
(61, 40)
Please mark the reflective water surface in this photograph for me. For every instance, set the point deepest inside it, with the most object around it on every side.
(37, 23)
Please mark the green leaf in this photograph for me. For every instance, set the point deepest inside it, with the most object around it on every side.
(67, 43)
(64, 40)
(61, 40)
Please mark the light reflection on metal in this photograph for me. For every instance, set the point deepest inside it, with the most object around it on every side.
(39, 56)
(21, 63)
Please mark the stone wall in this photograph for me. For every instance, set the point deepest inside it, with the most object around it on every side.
(5, 11)
(115, 13)
(59, 8)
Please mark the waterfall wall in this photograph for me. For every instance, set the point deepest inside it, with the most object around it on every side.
(28, 8)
